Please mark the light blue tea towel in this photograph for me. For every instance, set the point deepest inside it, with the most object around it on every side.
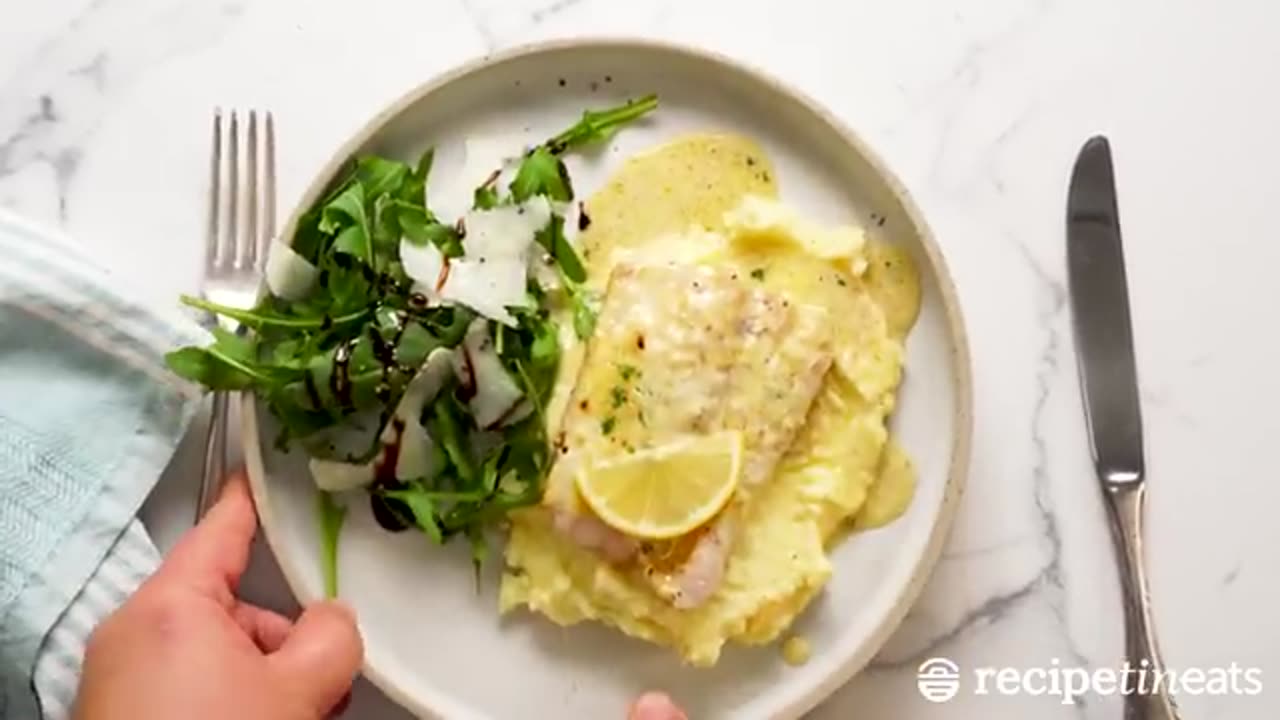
(89, 417)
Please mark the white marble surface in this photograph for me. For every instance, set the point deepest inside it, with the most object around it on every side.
(978, 106)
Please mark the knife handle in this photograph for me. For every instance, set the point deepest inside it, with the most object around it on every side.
(1150, 700)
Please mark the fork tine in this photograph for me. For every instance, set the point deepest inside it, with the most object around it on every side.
(215, 185)
(268, 191)
(233, 190)
(248, 250)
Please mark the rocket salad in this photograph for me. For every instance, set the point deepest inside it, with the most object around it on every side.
(410, 353)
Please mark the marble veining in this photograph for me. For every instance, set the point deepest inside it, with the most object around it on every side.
(979, 107)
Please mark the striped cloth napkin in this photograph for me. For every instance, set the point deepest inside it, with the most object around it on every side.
(89, 417)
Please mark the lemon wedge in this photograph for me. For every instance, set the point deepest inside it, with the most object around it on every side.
(664, 491)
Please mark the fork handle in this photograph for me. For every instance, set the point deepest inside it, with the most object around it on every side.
(215, 455)
(1124, 510)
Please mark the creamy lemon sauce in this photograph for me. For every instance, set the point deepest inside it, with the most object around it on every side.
(796, 650)
(707, 199)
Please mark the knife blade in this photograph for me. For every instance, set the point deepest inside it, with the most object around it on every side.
(1099, 294)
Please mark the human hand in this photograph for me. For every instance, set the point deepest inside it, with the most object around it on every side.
(185, 646)
(655, 706)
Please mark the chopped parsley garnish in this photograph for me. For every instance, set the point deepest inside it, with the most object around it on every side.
(608, 424)
(618, 395)
(758, 274)
(628, 372)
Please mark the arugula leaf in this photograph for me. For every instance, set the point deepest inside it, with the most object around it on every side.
(485, 198)
(423, 507)
(479, 550)
(449, 427)
(347, 207)
(332, 516)
(410, 219)
(230, 363)
(449, 324)
(552, 239)
(416, 343)
(489, 475)
(348, 284)
(418, 224)
(353, 240)
(380, 176)
(425, 160)
(298, 423)
(234, 346)
(584, 320)
(421, 228)
(413, 191)
(544, 352)
(209, 369)
(584, 310)
(386, 226)
(598, 125)
(263, 318)
(446, 238)
(308, 240)
(541, 173)
(531, 353)
(347, 211)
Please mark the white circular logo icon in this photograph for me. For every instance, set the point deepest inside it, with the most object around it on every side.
(938, 679)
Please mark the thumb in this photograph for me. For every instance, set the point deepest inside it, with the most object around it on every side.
(322, 654)
(655, 706)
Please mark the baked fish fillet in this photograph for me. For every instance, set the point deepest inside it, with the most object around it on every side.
(680, 350)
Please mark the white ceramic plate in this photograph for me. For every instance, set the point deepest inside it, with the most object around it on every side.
(439, 648)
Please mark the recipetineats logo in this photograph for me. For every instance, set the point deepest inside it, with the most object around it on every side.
(940, 680)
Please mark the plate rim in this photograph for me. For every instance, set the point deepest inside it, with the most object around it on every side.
(961, 363)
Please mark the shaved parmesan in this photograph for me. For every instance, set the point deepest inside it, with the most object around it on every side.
(451, 194)
(425, 264)
(334, 476)
(417, 455)
(489, 287)
(289, 275)
(492, 274)
(505, 231)
(496, 398)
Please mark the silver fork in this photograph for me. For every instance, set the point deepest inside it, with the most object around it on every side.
(239, 231)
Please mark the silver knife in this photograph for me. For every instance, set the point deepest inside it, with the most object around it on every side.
(1109, 383)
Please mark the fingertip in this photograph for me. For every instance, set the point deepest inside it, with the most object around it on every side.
(235, 489)
(234, 507)
(656, 706)
(213, 554)
(339, 616)
(324, 653)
